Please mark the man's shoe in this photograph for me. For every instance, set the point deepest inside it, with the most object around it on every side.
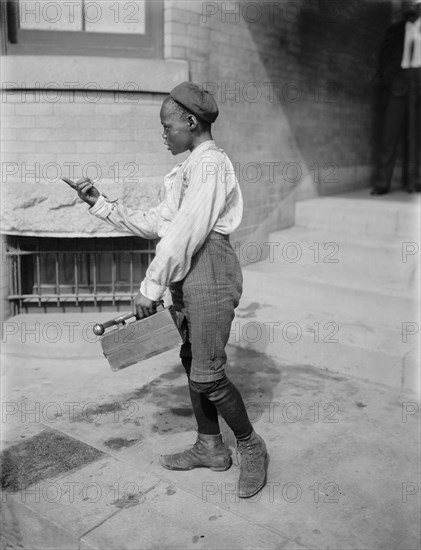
(379, 192)
(254, 465)
(209, 451)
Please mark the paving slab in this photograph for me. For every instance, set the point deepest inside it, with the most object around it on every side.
(84, 498)
(168, 517)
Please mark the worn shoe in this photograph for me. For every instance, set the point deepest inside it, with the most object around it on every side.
(209, 451)
(254, 465)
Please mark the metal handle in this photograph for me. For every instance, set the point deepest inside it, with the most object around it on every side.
(99, 328)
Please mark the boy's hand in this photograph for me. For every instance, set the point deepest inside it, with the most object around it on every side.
(85, 190)
(143, 306)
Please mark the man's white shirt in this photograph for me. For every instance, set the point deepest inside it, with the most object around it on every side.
(412, 43)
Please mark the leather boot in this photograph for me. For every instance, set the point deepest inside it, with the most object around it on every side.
(254, 465)
(209, 451)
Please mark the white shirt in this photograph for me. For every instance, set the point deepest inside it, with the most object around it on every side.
(412, 37)
(201, 194)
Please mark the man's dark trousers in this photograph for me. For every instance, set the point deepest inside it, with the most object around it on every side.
(402, 119)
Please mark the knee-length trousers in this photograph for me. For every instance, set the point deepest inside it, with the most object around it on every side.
(207, 297)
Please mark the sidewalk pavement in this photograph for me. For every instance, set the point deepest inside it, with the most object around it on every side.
(81, 446)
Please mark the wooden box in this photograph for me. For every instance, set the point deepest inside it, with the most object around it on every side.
(128, 343)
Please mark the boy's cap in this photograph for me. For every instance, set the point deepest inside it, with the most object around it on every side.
(196, 100)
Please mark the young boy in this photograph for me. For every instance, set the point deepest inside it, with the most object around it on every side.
(201, 207)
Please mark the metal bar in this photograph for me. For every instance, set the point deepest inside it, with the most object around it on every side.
(20, 253)
(113, 276)
(10, 271)
(70, 251)
(131, 268)
(75, 264)
(69, 297)
(83, 16)
(131, 274)
(95, 277)
(20, 279)
(58, 278)
(37, 258)
(12, 15)
(14, 275)
(15, 278)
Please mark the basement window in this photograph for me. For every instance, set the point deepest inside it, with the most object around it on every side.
(51, 273)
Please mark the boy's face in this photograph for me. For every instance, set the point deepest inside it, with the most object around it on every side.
(177, 135)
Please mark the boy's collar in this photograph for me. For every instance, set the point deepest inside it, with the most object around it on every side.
(203, 146)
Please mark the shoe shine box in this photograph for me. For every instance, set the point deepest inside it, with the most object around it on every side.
(127, 343)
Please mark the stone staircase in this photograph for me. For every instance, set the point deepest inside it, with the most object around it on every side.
(340, 290)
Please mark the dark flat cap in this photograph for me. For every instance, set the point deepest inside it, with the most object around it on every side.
(197, 101)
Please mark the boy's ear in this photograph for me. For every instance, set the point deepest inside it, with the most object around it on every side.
(192, 122)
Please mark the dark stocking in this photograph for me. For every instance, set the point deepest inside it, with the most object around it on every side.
(229, 403)
(204, 411)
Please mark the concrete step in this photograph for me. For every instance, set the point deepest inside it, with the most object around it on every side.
(345, 255)
(305, 288)
(349, 346)
(361, 214)
(341, 289)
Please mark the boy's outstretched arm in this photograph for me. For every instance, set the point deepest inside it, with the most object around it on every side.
(142, 223)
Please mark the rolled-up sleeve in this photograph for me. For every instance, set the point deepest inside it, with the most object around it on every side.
(204, 201)
(139, 222)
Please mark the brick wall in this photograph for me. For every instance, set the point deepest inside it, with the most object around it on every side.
(326, 62)
(115, 139)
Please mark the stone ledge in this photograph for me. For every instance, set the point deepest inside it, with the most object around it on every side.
(54, 210)
(101, 73)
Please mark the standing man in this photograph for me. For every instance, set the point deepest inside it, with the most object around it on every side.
(400, 74)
